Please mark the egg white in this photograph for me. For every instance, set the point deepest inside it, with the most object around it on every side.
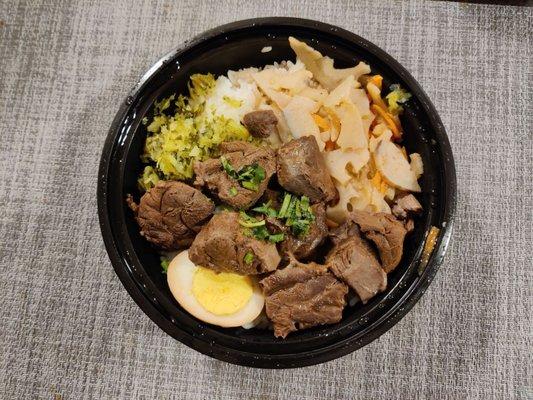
(180, 276)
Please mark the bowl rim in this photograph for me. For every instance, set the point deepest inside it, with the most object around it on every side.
(331, 351)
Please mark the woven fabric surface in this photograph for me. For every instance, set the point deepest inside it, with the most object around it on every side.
(68, 328)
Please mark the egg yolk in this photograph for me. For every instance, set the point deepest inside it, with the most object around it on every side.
(221, 293)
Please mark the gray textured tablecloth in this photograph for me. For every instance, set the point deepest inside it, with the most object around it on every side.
(69, 330)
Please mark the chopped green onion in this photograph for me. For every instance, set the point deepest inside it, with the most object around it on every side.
(251, 176)
(164, 264)
(257, 229)
(233, 191)
(297, 210)
(276, 238)
(284, 206)
(250, 186)
(249, 222)
(266, 209)
(296, 214)
(248, 257)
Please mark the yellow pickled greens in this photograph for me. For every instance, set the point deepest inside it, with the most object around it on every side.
(397, 97)
(148, 178)
(176, 141)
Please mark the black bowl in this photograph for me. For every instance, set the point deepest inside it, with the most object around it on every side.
(238, 45)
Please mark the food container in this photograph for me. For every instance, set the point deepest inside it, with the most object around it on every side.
(239, 45)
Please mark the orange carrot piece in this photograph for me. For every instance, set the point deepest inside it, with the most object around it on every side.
(377, 80)
(388, 120)
(375, 95)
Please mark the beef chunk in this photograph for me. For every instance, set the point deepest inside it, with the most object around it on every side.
(171, 213)
(301, 296)
(353, 260)
(295, 272)
(212, 175)
(222, 246)
(342, 232)
(406, 206)
(261, 123)
(302, 170)
(386, 232)
(303, 247)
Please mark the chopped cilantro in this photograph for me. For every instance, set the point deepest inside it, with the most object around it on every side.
(276, 238)
(257, 229)
(228, 167)
(249, 176)
(296, 214)
(248, 257)
(285, 205)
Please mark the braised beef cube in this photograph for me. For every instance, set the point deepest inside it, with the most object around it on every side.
(386, 232)
(171, 213)
(261, 123)
(354, 261)
(301, 296)
(212, 175)
(304, 246)
(223, 246)
(302, 170)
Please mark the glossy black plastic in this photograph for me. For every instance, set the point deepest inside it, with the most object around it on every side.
(235, 46)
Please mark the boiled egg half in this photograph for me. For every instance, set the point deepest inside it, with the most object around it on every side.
(223, 299)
